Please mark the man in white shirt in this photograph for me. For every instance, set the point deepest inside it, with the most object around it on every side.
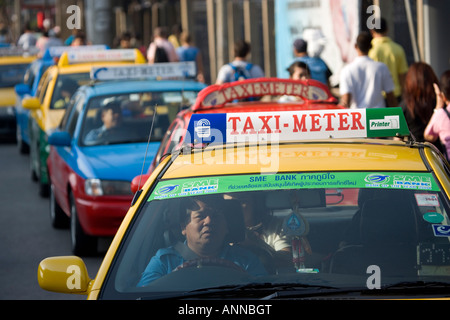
(364, 81)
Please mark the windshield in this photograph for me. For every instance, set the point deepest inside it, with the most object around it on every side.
(65, 87)
(129, 117)
(335, 229)
(10, 75)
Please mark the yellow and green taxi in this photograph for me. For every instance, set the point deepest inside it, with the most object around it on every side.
(53, 94)
(322, 204)
(14, 63)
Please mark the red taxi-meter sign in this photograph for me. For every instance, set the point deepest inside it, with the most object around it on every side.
(297, 125)
(217, 95)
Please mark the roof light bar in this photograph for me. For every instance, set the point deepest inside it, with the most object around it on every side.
(82, 56)
(145, 71)
(221, 128)
(57, 51)
(218, 95)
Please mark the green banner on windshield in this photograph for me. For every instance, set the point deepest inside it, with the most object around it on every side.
(225, 184)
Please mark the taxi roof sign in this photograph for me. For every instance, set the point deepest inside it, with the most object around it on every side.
(83, 56)
(300, 125)
(168, 70)
(57, 51)
(217, 95)
(18, 52)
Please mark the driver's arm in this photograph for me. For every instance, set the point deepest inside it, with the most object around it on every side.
(163, 263)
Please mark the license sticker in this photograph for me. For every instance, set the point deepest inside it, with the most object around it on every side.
(427, 200)
(433, 217)
(441, 230)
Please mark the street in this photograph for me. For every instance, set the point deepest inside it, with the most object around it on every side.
(26, 236)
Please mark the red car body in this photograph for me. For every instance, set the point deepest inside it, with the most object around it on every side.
(228, 98)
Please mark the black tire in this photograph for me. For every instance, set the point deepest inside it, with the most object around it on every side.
(82, 243)
(58, 218)
(44, 189)
(21, 145)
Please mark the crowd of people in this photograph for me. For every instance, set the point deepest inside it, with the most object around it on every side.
(378, 77)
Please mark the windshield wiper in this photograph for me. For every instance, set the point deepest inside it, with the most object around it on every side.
(402, 288)
(269, 291)
(252, 290)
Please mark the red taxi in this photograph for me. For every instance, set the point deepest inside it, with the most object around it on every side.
(239, 97)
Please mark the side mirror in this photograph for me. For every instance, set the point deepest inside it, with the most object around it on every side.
(138, 182)
(22, 89)
(64, 275)
(60, 139)
(31, 103)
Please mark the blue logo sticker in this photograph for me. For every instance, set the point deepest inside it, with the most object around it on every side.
(167, 189)
(441, 230)
(207, 128)
(377, 178)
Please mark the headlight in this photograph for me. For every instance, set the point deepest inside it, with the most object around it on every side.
(97, 187)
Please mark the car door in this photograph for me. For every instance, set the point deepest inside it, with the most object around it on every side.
(62, 159)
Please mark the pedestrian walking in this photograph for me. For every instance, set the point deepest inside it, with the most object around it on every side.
(385, 50)
(439, 125)
(239, 68)
(363, 81)
(160, 49)
(188, 52)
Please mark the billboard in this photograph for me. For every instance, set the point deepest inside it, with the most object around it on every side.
(338, 21)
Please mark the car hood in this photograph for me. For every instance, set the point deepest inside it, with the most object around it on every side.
(115, 162)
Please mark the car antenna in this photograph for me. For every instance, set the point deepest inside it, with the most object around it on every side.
(148, 143)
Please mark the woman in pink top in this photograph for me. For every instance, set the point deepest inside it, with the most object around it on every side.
(439, 125)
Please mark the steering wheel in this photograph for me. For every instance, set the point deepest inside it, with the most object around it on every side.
(201, 262)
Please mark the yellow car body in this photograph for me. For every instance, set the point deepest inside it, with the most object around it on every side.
(296, 171)
(46, 113)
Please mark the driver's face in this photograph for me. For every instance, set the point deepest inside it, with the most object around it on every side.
(206, 231)
(110, 118)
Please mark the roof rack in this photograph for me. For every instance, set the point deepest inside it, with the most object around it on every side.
(216, 96)
(159, 71)
(300, 125)
(84, 56)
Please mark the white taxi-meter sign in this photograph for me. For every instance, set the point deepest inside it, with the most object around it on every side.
(169, 70)
(83, 56)
(57, 51)
(217, 95)
(296, 125)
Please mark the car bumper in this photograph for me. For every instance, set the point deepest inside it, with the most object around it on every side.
(102, 217)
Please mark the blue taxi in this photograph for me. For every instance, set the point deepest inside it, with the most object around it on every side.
(108, 135)
(280, 205)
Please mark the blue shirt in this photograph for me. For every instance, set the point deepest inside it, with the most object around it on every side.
(168, 259)
(318, 68)
(187, 53)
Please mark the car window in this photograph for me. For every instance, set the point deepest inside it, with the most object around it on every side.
(12, 74)
(78, 104)
(43, 85)
(65, 87)
(320, 228)
(138, 115)
(173, 140)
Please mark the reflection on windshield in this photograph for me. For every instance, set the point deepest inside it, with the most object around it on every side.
(128, 118)
(325, 237)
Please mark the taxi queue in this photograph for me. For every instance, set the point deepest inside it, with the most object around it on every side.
(427, 175)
